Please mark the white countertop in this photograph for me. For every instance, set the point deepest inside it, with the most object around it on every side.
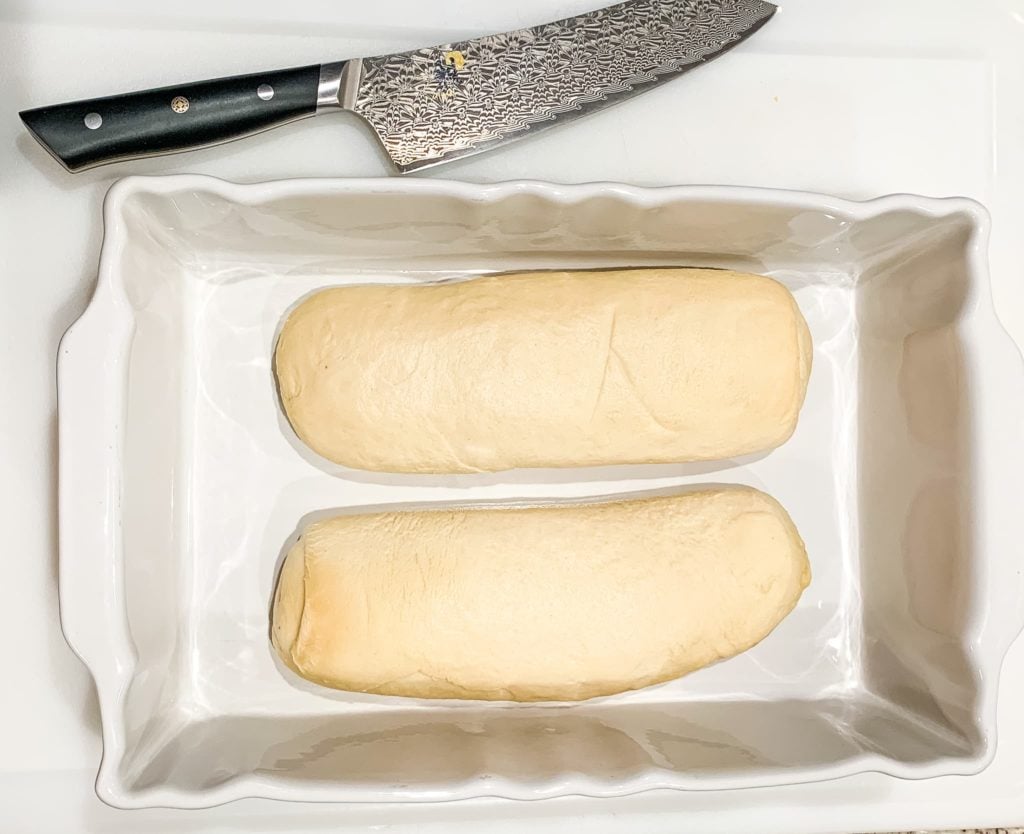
(854, 97)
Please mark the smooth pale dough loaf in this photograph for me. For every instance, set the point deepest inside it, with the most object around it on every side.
(547, 369)
(555, 603)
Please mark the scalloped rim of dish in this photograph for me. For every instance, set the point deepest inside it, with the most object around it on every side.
(102, 335)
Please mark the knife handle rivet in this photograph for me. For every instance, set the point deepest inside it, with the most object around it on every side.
(93, 120)
(179, 104)
(265, 92)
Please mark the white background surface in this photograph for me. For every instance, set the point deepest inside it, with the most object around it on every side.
(859, 97)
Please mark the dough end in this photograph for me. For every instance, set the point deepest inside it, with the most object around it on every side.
(289, 603)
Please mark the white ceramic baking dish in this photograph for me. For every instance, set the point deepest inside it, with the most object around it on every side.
(181, 484)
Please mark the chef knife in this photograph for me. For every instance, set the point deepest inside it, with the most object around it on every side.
(426, 106)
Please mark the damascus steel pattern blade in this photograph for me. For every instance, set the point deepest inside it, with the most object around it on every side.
(434, 104)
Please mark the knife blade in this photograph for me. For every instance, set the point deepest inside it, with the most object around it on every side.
(426, 106)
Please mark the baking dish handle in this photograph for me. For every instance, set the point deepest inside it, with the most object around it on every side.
(91, 365)
(1000, 434)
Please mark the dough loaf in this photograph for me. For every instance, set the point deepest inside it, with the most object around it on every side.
(530, 604)
(548, 369)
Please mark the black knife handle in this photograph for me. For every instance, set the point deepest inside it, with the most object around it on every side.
(81, 134)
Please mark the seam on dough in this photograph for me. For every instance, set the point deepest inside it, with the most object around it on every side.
(451, 450)
(607, 363)
(295, 647)
(805, 357)
(636, 392)
(375, 689)
(502, 691)
(414, 371)
(420, 673)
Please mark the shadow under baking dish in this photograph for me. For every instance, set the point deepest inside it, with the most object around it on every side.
(887, 662)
